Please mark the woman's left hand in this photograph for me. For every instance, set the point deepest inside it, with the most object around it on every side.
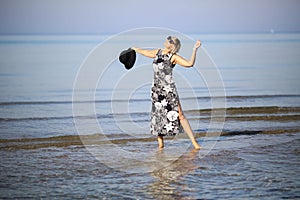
(198, 44)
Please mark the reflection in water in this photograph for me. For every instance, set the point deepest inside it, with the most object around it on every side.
(162, 188)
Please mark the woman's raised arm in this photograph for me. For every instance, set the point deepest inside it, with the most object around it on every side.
(177, 59)
(145, 52)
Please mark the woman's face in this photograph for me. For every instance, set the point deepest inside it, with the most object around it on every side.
(168, 44)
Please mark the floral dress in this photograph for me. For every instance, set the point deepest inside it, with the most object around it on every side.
(164, 115)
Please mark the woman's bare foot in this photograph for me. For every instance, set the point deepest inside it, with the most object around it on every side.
(160, 140)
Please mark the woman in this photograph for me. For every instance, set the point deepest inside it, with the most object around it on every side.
(167, 116)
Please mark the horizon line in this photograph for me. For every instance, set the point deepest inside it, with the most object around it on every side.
(187, 33)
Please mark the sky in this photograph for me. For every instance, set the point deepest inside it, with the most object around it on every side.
(112, 16)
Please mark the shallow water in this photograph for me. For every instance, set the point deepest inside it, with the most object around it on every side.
(260, 166)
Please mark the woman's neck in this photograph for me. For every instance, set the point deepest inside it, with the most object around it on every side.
(166, 51)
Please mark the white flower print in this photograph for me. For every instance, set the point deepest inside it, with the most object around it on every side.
(169, 79)
(172, 115)
(176, 131)
(158, 105)
(155, 96)
(167, 88)
(164, 102)
(152, 129)
(153, 120)
(155, 67)
(160, 66)
(169, 126)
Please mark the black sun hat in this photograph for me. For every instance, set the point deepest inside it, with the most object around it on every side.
(127, 57)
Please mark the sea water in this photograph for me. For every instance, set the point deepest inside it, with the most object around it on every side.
(256, 156)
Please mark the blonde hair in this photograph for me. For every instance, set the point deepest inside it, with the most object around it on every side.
(175, 47)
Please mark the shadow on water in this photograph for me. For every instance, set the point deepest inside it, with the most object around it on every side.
(166, 178)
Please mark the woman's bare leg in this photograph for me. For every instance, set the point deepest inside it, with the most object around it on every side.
(160, 140)
(187, 128)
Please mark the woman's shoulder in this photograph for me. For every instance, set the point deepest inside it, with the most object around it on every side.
(174, 57)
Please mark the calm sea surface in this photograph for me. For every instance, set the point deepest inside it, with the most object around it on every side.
(58, 135)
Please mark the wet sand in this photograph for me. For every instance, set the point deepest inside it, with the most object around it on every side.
(260, 120)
